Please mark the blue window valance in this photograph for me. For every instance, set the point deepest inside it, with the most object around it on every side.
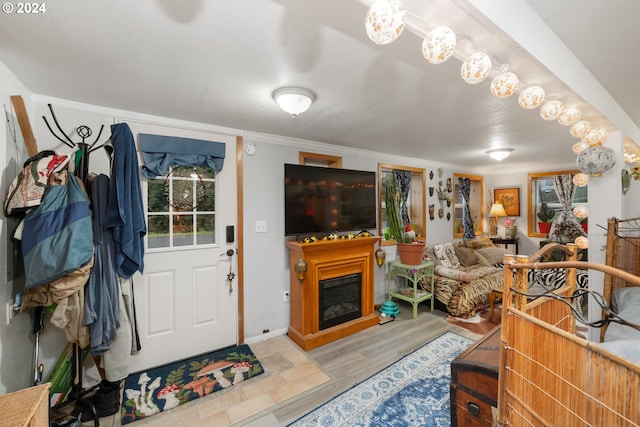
(161, 152)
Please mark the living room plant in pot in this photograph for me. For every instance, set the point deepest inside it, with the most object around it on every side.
(545, 215)
(409, 249)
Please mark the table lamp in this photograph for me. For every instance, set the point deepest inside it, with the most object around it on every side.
(497, 210)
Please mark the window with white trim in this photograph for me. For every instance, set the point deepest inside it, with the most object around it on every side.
(181, 208)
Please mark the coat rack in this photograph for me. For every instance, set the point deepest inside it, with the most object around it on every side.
(82, 172)
(83, 132)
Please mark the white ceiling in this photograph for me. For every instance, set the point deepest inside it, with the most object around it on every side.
(217, 62)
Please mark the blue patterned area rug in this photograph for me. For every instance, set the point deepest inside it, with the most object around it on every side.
(159, 389)
(414, 391)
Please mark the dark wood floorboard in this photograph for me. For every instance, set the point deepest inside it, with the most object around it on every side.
(353, 359)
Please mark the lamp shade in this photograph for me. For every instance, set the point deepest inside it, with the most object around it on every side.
(438, 45)
(476, 68)
(497, 210)
(500, 154)
(531, 98)
(385, 21)
(596, 160)
(294, 100)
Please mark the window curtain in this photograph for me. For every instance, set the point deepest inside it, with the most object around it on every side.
(403, 180)
(566, 227)
(467, 221)
(160, 153)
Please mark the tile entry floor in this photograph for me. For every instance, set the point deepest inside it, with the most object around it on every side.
(288, 373)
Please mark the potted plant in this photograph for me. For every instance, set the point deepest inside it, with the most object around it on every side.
(510, 228)
(545, 215)
(409, 249)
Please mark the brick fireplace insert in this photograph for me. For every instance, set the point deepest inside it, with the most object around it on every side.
(327, 262)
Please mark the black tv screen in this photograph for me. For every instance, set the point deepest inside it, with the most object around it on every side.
(325, 200)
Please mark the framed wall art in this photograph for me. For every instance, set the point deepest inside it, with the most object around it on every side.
(510, 199)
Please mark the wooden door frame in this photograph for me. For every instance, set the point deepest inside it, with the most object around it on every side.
(240, 245)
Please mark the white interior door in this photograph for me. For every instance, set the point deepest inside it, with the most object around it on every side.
(184, 302)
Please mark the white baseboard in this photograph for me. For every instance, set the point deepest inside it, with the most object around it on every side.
(263, 337)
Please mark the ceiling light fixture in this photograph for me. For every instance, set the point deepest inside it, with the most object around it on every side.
(499, 154)
(294, 100)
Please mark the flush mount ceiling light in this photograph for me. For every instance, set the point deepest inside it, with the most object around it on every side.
(499, 154)
(294, 100)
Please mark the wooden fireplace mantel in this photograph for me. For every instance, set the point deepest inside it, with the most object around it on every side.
(328, 260)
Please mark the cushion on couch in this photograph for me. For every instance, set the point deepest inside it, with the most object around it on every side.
(490, 255)
(446, 254)
(466, 256)
(479, 242)
(452, 273)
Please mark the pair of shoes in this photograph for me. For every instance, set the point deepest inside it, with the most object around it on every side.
(105, 400)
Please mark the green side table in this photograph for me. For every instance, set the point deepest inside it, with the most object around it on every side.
(411, 292)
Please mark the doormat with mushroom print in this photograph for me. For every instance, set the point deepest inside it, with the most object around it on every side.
(159, 389)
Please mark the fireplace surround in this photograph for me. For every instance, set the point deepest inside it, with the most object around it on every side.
(336, 263)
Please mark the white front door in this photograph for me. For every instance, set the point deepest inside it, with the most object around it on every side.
(186, 305)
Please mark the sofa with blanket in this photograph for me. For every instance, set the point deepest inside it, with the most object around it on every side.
(466, 273)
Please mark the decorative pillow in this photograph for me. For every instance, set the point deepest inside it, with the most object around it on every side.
(446, 254)
(466, 256)
(479, 242)
(451, 273)
(490, 256)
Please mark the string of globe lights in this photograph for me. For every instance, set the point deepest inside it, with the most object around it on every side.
(386, 20)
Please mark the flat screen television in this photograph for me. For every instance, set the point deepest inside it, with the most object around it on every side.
(322, 200)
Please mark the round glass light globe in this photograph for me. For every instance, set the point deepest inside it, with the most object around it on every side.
(551, 110)
(580, 128)
(595, 136)
(438, 45)
(581, 211)
(579, 147)
(580, 179)
(504, 85)
(385, 21)
(582, 242)
(476, 68)
(531, 98)
(569, 116)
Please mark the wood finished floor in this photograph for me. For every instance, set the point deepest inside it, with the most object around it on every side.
(345, 362)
